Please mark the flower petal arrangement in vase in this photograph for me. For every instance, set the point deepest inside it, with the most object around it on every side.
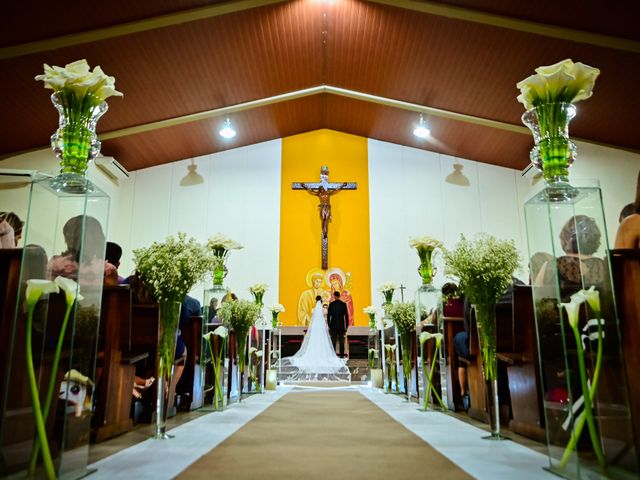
(169, 269)
(275, 309)
(258, 290)
(549, 97)
(485, 267)
(387, 290)
(425, 246)
(240, 315)
(372, 312)
(404, 318)
(79, 95)
(220, 246)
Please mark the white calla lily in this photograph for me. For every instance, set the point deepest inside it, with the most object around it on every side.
(592, 296)
(221, 331)
(207, 336)
(37, 287)
(573, 311)
(424, 336)
(71, 289)
(252, 350)
(258, 354)
(439, 337)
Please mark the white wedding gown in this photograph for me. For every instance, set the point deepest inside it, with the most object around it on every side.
(316, 360)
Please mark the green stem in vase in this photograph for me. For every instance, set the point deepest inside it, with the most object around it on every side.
(405, 340)
(588, 396)
(486, 321)
(425, 269)
(35, 399)
(51, 389)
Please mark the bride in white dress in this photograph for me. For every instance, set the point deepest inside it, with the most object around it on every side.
(316, 360)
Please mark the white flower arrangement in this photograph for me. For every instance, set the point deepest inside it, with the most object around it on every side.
(425, 242)
(79, 84)
(387, 286)
(484, 266)
(172, 268)
(370, 310)
(258, 288)
(565, 82)
(403, 316)
(276, 308)
(220, 245)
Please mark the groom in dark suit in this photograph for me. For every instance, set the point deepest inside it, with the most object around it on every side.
(338, 320)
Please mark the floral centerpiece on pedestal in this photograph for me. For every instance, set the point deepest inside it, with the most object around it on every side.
(240, 315)
(485, 267)
(169, 270)
(255, 357)
(275, 310)
(387, 290)
(425, 246)
(548, 96)
(79, 95)
(258, 290)
(404, 318)
(220, 246)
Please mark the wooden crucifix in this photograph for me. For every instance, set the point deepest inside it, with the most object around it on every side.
(323, 190)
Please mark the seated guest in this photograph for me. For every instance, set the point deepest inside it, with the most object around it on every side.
(628, 235)
(112, 256)
(88, 254)
(580, 238)
(10, 230)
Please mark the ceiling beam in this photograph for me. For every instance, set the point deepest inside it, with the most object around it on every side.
(128, 28)
(501, 21)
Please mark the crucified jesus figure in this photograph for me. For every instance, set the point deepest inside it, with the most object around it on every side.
(324, 192)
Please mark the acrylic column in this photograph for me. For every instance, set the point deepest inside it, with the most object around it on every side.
(586, 406)
(50, 340)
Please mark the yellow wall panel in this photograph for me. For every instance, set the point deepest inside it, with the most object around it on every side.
(300, 225)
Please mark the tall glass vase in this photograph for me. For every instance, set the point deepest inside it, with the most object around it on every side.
(75, 142)
(553, 152)
(168, 321)
(486, 322)
(425, 269)
(241, 356)
(405, 343)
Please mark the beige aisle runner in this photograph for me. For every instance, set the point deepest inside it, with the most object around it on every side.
(324, 435)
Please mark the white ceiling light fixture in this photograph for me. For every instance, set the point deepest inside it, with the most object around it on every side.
(227, 130)
(421, 130)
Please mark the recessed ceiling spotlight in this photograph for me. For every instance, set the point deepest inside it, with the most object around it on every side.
(421, 130)
(227, 130)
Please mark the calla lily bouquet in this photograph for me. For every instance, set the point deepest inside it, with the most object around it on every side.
(217, 341)
(35, 290)
(387, 290)
(255, 357)
(258, 290)
(425, 246)
(428, 378)
(391, 364)
(221, 245)
(372, 312)
(589, 387)
(562, 82)
(404, 318)
(275, 310)
(373, 354)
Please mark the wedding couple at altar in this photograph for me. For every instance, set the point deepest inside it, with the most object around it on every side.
(317, 359)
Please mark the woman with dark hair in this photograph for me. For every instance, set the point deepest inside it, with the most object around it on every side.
(628, 235)
(10, 229)
(580, 239)
(82, 250)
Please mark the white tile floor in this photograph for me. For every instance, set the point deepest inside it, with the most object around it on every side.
(458, 441)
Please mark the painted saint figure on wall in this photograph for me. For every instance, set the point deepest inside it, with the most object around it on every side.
(307, 300)
(338, 282)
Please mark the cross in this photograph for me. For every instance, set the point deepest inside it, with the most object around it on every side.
(323, 190)
(402, 289)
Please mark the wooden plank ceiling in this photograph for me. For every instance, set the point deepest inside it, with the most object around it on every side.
(437, 60)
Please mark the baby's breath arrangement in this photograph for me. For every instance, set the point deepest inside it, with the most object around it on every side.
(403, 316)
(240, 315)
(484, 266)
(172, 268)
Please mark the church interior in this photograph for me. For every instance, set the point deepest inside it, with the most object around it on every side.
(319, 238)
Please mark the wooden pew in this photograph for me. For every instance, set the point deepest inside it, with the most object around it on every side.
(191, 380)
(523, 369)
(115, 373)
(452, 325)
(625, 265)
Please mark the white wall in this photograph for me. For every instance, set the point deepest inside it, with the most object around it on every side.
(410, 197)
